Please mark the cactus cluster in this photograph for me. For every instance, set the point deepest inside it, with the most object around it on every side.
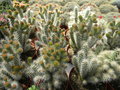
(100, 2)
(21, 25)
(93, 68)
(86, 30)
(116, 3)
(48, 71)
(105, 8)
(49, 13)
(113, 35)
(70, 6)
(111, 16)
(96, 51)
(11, 66)
(5, 5)
(42, 49)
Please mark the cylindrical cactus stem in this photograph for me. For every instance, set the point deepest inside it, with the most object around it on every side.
(78, 39)
(76, 15)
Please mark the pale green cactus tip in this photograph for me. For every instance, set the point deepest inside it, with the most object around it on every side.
(33, 87)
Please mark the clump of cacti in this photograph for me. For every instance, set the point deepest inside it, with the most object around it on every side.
(11, 65)
(81, 2)
(53, 47)
(51, 34)
(113, 35)
(70, 6)
(94, 68)
(96, 56)
(111, 16)
(49, 13)
(23, 1)
(48, 71)
(116, 3)
(21, 25)
(5, 5)
(100, 2)
(105, 8)
(86, 29)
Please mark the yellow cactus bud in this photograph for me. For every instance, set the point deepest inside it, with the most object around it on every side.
(50, 43)
(48, 66)
(14, 73)
(118, 32)
(41, 62)
(16, 43)
(9, 11)
(56, 63)
(17, 68)
(15, 13)
(20, 50)
(108, 35)
(4, 56)
(60, 12)
(4, 51)
(52, 58)
(90, 34)
(99, 36)
(45, 57)
(10, 41)
(54, 53)
(11, 17)
(57, 44)
(66, 59)
(12, 29)
(50, 49)
(20, 73)
(62, 50)
(7, 46)
(50, 12)
(75, 25)
(11, 57)
(29, 58)
(44, 51)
